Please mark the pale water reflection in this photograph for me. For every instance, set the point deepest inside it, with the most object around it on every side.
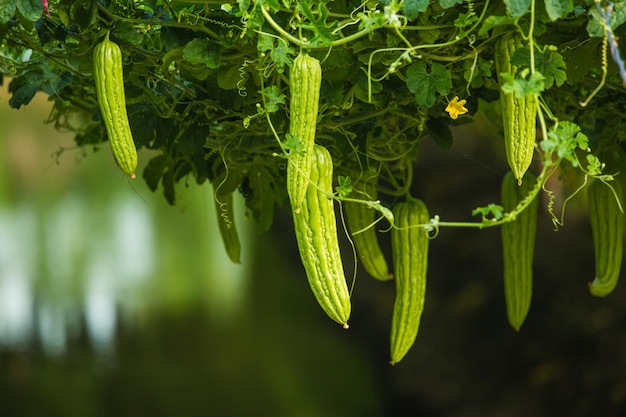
(16, 270)
(84, 250)
(72, 263)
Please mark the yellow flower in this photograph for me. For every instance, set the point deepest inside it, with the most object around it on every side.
(456, 107)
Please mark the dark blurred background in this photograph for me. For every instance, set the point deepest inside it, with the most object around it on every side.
(113, 303)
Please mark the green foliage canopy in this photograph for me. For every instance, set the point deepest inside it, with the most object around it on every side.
(207, 81)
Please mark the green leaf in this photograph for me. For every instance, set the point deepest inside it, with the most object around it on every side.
(412, 8)
(464, 20)
(84, 13)
(493, 21)
(30, 9)
(361, 89)
(263, 194)
(322, 30)
(273, 97)
(582, 59)
(143, 122)
(521, 86)
(557, 9)
(228, 77)
(489, 213)
(563, 140)
(7, 10)
(345, 187)
(292, 144)
(168, 182)
(478, 72)
(553, 68)
(279, 50)
(201, 51)
(594, 165)
(281, 55)
(426, 84)
(127, 32)
(618, 16)
(264, 43)
(550, 64)
(24, 88)
(446, 4)
(154, 170)
(517, 8)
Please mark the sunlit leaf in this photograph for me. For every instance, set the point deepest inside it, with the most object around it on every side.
(412, 8)
(7, 10)
(202, 51)
(30, 9)
(557, 9)
(517, 8)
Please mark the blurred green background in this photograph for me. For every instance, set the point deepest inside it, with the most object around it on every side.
(113, 303)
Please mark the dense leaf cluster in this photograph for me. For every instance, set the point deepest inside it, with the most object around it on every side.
(207, 81)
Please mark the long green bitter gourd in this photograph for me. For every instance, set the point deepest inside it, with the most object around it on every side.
(305, 81)
(409, 245)
(359, 219)
(607, 226)
(318, 243)
(109, 77)
(518, 245)
(519, 115)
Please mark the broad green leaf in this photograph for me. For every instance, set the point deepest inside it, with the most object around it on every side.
(168, 182)
(281, 55)
(412, 8)
(228, 77)
(170, 38)
(522, 87)
(7, 10)
(493, 21)
(551, 65)
(582, 59)
(154, 170)
(557, 9)
(361, 89)
(128, 33)
(30, 9)
(426, 84)
(263, 195)
(84, 13)
(446, 4)
(517, 8)
(24, 88)
(202, 51)
(264, 43)
(143, 123)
